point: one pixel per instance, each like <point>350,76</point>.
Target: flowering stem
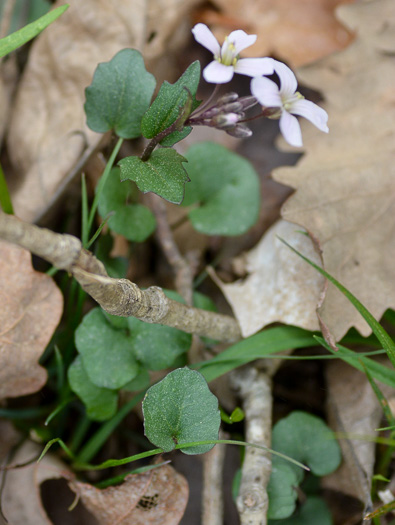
<point>205,104</point>
<point>158,138</point>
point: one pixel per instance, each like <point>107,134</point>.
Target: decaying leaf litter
<point>348,173</point>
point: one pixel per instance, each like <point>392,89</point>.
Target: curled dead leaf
<point>156,497</point>
<point>31,306</point>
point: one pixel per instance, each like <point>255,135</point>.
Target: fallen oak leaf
<point>48,134</point>
<point>31,306</point>
<point>279,287</point>
<point>297,32</point>
<point>346,182</point>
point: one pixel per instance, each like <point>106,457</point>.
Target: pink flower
<point>226,58</point>
<point>289,103</point>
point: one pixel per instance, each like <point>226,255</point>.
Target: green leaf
<point>378,330</point>
<point>140,382</point>
<point>263,344</point>
<point>169,104</point>
<point>157,346</point>
<point>313,512</point>
<point>163,174</point>
<point>106,352</point>
<point>282,491</point>
<point>307,439</point>
<point>20,37</point>
<point>119,95</point>
<point>101,403</point>
<point>134,221</point>
<point>181,409</point>
<point>226,188</point>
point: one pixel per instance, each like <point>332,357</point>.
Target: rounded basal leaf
<point>163,173</point>
<point>226,188</point>
<point>314,511</point>
<point>134,221</point>
<point>106,352</point>
<point>140,382</point>
<point>100,403</point>
<point>169,105</point>
<point>157,346</point>
<point>119,95</point>
<point>282,491</point>
<point>181,409</point>
<point>307,439</point>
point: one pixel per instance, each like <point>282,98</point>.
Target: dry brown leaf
<point>48,133</point>
<point>353,408</point>
<point>21,498</point>
<point>346,181</point>
<point>30,309</point>
<point>297,32</point>
<point>157,497</point>
<point>279,287</point>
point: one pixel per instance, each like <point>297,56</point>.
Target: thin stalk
<point>205,104</point>
<point>101,184</point>
<point>155,141</point>
<point>5,199</point>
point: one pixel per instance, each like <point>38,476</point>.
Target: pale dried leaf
<point>297,32</point>
<point>156,497</point>
<point>346,181</point>
<point>31,306</point>
<point>48,133</point>
<point>21,499</point>
<point>279,287</point>
<point>353,408</point>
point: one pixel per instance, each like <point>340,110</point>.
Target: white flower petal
<point>218,73</point>
<point>312,112</point>
<point>288,82</point>
<point>266,92</point>
<point>290,129</point>
<point>241,40</point>
<point>204,36</point>
<point>254,67</point>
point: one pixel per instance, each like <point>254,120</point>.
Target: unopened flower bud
<point>228,97</point>
<point>225,120</point>
<point>240,131</point>
<point>232,107</point>
<point>248,102</point>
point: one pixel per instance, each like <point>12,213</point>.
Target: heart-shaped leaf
<point>106,352</point>
<point>119,95</point>
<point>181,409</point>
<point>225,186</point>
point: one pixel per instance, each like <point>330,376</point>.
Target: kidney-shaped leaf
<point>119,95</point>
<point>101,403</point>
<point>307,439</point>
<point>106,352</point>
<point>313,511</point>
<point>282,491</point>
<point>181,409</point>
<point>225,186</point>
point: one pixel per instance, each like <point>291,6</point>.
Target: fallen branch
<point>255,389</point>
<point>118,297</point>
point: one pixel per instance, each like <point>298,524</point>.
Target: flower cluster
<point>282,102</point>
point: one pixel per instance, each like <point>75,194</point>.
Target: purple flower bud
<point>225,120</point>
<point>228,97</point>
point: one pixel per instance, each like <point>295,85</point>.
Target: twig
<point>255,390</point>
<point>182,268</point>
<point>116,296</point>
<point>213,506</point>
